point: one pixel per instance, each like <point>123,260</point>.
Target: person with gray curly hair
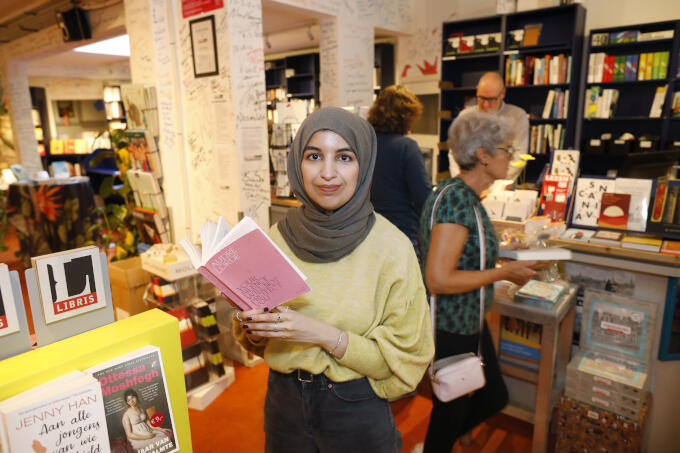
<point>450,242</point>
<point>474,131</point>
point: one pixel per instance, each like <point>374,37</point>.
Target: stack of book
<point>530,70</point>
<point>604,68</point>
<point>600,103</point>
<point>545,138</point>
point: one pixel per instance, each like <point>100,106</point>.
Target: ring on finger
<point>278,317</point>
<point>238,316</point>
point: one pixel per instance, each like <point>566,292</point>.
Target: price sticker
<point>157,419</point>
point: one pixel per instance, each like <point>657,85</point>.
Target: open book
<point>245,265</point>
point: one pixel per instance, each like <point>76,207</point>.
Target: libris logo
<point>72,284</point>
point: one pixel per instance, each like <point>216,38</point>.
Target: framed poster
<point>204,46</point>
<point>9,322</point>
<point>70,283</point>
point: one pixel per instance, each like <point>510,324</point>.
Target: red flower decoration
<point>45,202</point>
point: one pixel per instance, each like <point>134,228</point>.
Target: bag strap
<point>482,263</point>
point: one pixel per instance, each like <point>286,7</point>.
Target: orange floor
<point>234,421</point>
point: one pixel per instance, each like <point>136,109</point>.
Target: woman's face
<point>498,164</point>
<point>330,170</point>
<point>131,400</point>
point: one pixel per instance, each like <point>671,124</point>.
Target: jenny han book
<point>65,414</point>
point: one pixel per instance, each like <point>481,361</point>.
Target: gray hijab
<point>314,234</point>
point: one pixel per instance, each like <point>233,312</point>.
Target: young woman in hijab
<point>362,334</point>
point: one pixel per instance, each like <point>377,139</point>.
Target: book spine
<point>671,204</point>
<point>642,67</point>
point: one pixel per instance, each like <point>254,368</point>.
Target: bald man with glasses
<point>490,95</point>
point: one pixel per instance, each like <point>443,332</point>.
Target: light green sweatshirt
<point>376,295</point>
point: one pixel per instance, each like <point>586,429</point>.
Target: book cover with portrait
<point>70,283</point>
<point>64,414</point>
<point>136,402</point>
<point>9,322</point>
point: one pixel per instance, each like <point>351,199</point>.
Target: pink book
<point>246,265</point>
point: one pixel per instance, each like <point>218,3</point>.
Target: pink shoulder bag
<point>458,375</point>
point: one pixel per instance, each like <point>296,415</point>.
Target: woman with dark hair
<point>400,181</point>
<point>451,247</point>
<point>362,335</point>
<point>138,429</point>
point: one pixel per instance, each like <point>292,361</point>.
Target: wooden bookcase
<point>632,110</point>
<point>562,30</point>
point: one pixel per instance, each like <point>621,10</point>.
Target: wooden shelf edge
<point>617,252</point>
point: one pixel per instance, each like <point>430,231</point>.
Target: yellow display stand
<point>154,327</point>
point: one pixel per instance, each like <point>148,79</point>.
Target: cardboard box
<point>128,282</point>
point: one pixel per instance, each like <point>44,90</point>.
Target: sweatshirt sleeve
<point>396,353</point>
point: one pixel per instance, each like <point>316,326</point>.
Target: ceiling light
<point>120,46</point>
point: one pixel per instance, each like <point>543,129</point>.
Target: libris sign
<point>70,283</point>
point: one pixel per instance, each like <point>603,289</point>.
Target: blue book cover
<point>631,67</point>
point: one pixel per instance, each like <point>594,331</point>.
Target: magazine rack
<point>22,372</point>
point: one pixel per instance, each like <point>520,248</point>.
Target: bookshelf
<point>383,66</point>
<point>297,76</point>
<point>561,34</point>
<point>634,62</point>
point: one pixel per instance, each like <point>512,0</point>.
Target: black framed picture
<point>204,46</point>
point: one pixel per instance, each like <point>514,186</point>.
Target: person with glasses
<point>490,96</point>
<point>479,142</point>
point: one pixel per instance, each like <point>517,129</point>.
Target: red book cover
<point>546,73</point>
<point>614,210</point>
<point>659,201</point>
<point>608,68</point>
<point>554,194</point>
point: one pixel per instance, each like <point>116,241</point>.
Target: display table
<point>557,324</point>
<point>50,216</point>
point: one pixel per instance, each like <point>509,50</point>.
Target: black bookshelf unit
<point>297,75</point>
<point>618,59</point>
<point>561,34</point>
<point>383,65</point>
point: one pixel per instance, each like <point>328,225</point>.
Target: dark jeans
<point>323,416</point>
<point>449,421</point>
